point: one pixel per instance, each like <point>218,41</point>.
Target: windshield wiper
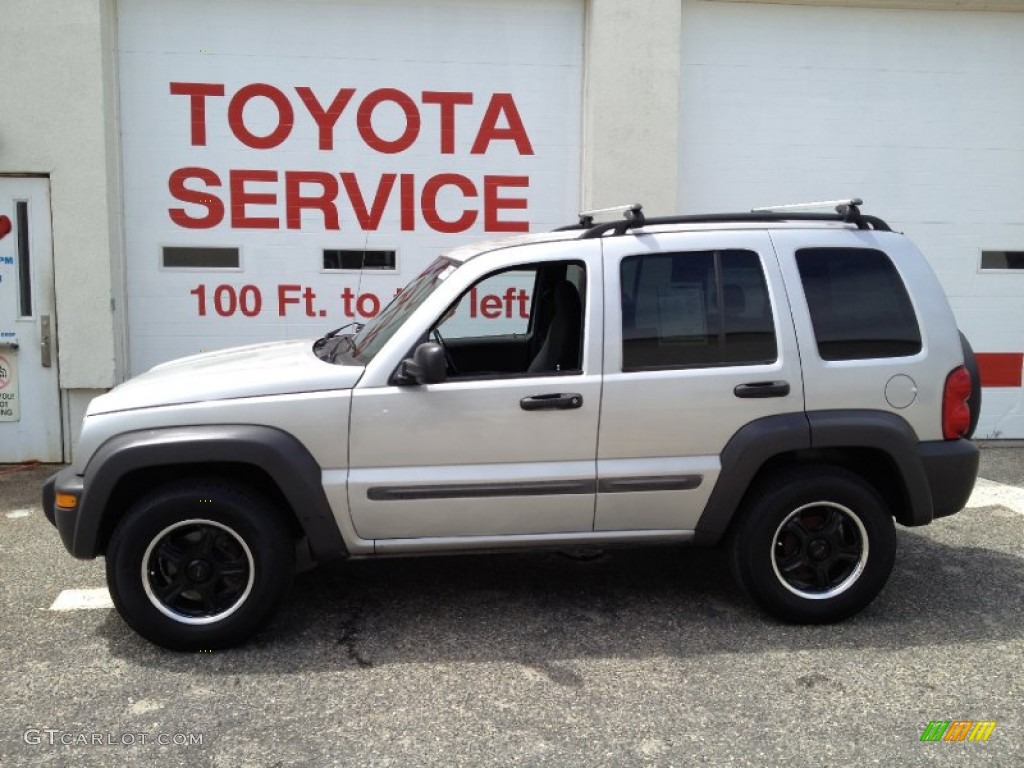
<point>323,341</point>
<point>336,331</point>
<point>344,345</point>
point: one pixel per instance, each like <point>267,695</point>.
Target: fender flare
<point>754,445</point>
<point>277,453</point>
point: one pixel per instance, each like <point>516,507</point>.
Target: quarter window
<point>859,306</point>
<point>694,309</point>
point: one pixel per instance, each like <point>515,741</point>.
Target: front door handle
<point>557,401</point>
<point>762,389</point>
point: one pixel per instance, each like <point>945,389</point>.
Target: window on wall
<point>175,257</point>
<point>358,259</point>
<point>1000,260</point>
<point>694,309</point>
<point>859,306</point>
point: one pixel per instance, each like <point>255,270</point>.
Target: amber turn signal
<point>67,500</point>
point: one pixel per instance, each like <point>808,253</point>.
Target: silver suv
<point>785,382</point>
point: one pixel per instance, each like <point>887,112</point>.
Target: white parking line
<point>991,494</point>
<point>82,599</point>
<point>14,515</point>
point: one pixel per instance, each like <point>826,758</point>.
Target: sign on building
<point>286,171</point>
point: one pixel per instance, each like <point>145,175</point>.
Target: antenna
<point>362,268</point>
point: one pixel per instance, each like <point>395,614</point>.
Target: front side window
<point>859,305</point>
<point>695,309</point>
<point>524,320</point>
<point>498,305</point>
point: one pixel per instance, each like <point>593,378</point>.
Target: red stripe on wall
<point>1000,369</point>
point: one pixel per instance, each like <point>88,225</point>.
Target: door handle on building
<point>45,345</point>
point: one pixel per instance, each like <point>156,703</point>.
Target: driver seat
<point>560,350</point>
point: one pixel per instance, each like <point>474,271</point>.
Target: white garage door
<point>272,151</point>
<point>918,112</point>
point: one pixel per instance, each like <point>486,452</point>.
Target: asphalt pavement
<point>622,658</point>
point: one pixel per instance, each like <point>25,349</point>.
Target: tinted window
<point>696,308</point>
<point>859,305</point>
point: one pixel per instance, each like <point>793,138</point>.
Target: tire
<point>814,545</point>
<point>199,565</point>
<point>974,401</point>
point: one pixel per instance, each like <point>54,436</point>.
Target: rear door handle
<point>557,401</point>
<point>762,389</point>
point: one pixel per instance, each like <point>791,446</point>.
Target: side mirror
<point>426,366</point>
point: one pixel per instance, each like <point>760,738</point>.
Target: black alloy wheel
<point>813,544</point>
<point>820,550</point>
<point>198,571</point>
<point>199,564</point>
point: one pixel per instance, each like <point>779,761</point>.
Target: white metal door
<point>30,420</point>
<point>414,151</point>
<point>915,111</point>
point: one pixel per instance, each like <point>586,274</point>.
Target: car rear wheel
<point>814,545</point>
<point>199,565</point>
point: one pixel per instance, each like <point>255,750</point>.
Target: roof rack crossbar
<point>848,209</point>
<point>632,212</point>
<point>808,206</point>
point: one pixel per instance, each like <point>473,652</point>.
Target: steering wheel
<point>449,361</point>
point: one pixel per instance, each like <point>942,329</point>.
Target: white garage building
<point>189,175</point>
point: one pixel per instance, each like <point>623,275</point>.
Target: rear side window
<point>859,305</point>
<point>695,309</point>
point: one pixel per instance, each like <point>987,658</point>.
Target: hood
<point>277,368</point>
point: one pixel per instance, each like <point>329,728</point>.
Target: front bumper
<point>64,518</point>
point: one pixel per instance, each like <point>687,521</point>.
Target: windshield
<point>375,334</point>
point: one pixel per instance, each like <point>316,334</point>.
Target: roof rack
<point>846,211</point>
<point>632,212</point>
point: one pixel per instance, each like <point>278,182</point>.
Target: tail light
<point>956,413</point>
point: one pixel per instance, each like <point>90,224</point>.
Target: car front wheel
<point>199,565</point>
